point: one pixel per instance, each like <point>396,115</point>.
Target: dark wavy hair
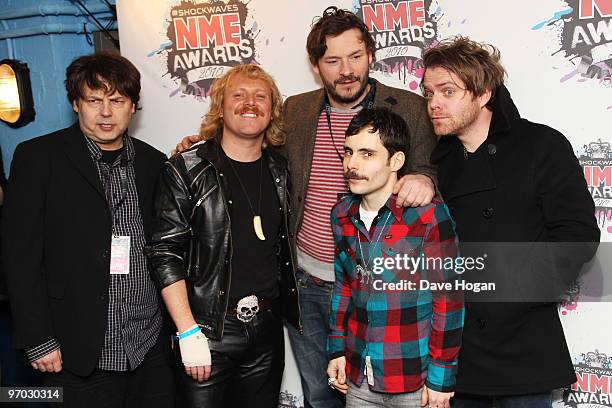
<point>105,71</point>
<point>391,127</point>
<point>334,22</point>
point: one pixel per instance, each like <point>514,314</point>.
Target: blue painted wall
<point>47,57</point>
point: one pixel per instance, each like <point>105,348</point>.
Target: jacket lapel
<point>458,176</point>
<point>79,155</point>
<point>142,187</point>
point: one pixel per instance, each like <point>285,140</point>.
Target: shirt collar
<point>350,207</point>
<point>127,153</point>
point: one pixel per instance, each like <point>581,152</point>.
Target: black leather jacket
<point>191,237</point>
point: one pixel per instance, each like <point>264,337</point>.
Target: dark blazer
<point>523,185</point>
<point>302,116</point>
<point>56,243</point>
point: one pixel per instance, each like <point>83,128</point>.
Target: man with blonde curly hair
<point>220,249</point>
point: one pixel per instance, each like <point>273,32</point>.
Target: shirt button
<point>277,180</point>
<point>492,149</point>
<point>230,201</point>
<point>488,212</point>
<point>221,292</point>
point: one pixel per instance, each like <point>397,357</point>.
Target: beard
<point>330,88</point>
<point>455,125</point>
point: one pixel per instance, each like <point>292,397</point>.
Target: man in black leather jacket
<point>220,249</point>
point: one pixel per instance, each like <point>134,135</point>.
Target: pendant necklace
<point>257,225</point>
<point>363,272</point>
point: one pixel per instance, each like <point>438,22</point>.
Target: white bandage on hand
<point>194,350</point>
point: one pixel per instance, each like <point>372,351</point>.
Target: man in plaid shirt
<point>388,326</point>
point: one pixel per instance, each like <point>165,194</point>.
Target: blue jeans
<point>542,400</point>
<point>310,348</point>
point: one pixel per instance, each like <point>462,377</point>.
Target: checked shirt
<point>413,336</point>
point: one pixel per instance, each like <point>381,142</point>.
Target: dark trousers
<point>150,385</point>
<point>247,366</point>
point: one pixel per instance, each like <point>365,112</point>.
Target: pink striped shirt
<point>326,182</point>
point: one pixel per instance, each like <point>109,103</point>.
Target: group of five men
<point>238,238</point>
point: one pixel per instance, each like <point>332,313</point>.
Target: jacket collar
<point>503,109</point>
<point>211,151</point>
<point>78,153</point>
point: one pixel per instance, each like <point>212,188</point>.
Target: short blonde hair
<point>212,126</point>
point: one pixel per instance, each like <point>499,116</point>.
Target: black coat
<point>522,185</point>
<point>56,236</point>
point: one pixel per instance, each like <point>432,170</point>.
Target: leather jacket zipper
<point>176,234</point>
<point>297,292</point>
<point>169,254</point>
<point>229,267</point>
<point>201,199</point>
<point>178,174</point>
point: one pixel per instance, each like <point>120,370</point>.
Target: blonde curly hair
<point>212,125</point>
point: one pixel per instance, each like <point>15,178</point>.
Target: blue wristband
<point>189,332</point>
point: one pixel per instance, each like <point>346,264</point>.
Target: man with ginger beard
<point>220,249</point>
<point>509,183</point>
<point>340,50</point>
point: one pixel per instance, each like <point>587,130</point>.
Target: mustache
<point>253,110</point>
<point>344,78</point>
<point>353,175</point>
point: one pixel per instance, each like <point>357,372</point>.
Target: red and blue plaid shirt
<point>412,337</point>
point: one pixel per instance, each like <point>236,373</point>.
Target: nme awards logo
<point>593,386</point>
<point>401,30</point>
<point>586,38</point>
<point>206,40</point>
<point>596,161</point>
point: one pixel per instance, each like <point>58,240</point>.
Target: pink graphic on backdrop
<point>584,39</point>
<point>401,31</point>
<point>596,161</point>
